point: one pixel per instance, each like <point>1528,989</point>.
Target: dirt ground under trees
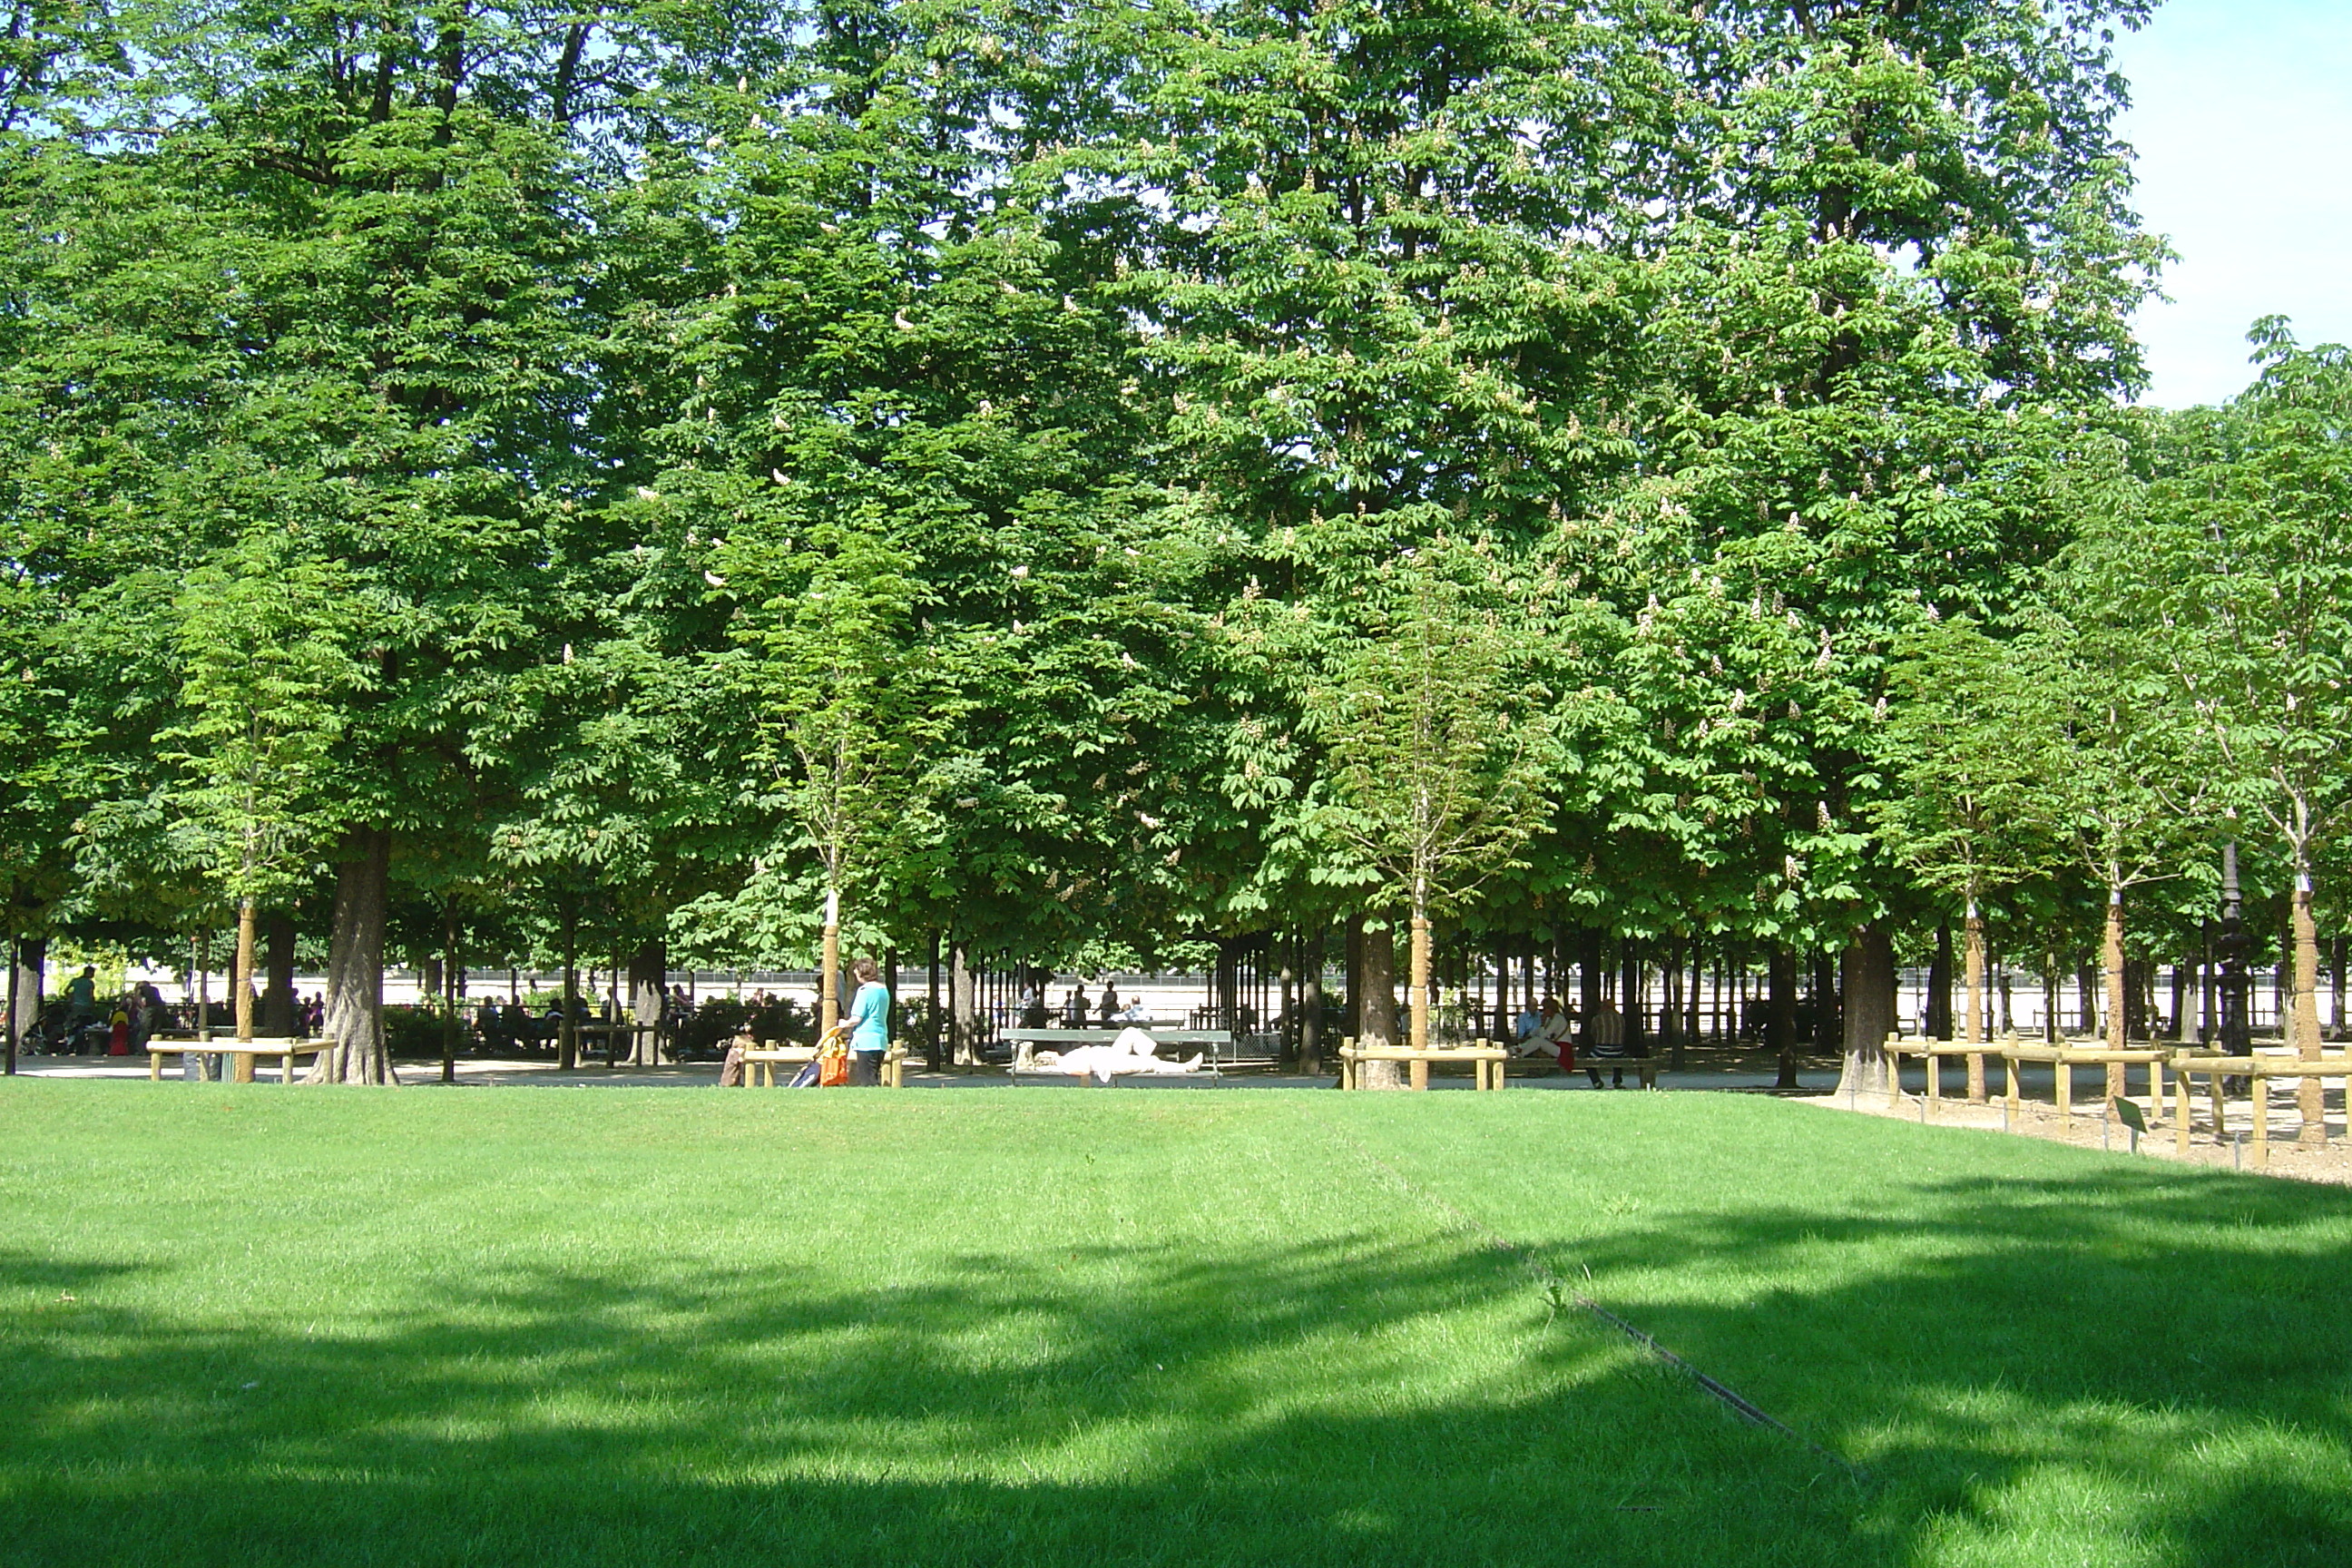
<point>2092,1127</point>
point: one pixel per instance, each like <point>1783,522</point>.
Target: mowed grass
<point>614,1326</point>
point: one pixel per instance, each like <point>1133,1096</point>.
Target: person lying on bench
<point>1132,1052</point>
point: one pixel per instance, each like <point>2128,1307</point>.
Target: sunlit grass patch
<point>1138,1327</point>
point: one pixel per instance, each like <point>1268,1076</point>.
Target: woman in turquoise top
<point>869,1023</point>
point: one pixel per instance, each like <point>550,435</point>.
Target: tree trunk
<point>1421,1010</point>
<point>1351,958</point>
<point>963,1039</point>
<point>2112,961</point>
<point>355,963</point>
<point>567,1025</point>
<point>2310,1094</point>
<point>1866,972</point>
<point>247,929</point>
<point>1829,1029</point>
<point>1588,979</point>
<point>1528,989</point>
<point>1503,1031</point>
<point>1781,1012</point>
<point>2335,985</point>
<point>933,1038</point>
<point>2208,990</point>
<point>1974,1030</point>
<point>1379,1005</point>
<point>2181,973</point>
<point>1631,984</point>
<point>278,968</point>
<point>449,1023</point>
<point>1670,1021</point>
<point>649,1000</point>
<point>1937,1023</point>
<point>1311,1001</point>
<point>1697,954</point>
<point>200,959</point>
<point>2086,990</point>
<point>25,995</point>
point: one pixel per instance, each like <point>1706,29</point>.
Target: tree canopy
<point>657,466</point>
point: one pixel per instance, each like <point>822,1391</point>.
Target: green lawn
<point>611,1326</point>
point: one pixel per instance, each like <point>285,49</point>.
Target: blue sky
<point>2242,113</point>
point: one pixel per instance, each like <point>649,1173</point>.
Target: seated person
<point>1132,1013</point>
<point>1606,1041</point>
<point>1557,1034</point>
<point>1531,1035</point>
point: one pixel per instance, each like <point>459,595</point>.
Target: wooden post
<point>1421,998</point>
<point>829,977</point>
<point>2262,1090</point>
<point>2302,1026</point>
<point>1972,1028</point>
<point>2181,1119</point>
<point>2064,1072</point>
<point>241,998</point>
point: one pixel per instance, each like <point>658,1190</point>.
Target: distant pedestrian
<point>1107,1009</point>
<point>1073,1011</point>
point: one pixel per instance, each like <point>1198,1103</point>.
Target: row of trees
<point>491,478</point>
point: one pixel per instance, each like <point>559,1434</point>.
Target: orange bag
<point>833,1065</point>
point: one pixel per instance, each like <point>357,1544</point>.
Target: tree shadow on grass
<point>2006,1358</point>
<point>1122,1404</point>
<point>2137,1364</point>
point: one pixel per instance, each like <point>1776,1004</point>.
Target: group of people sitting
<point>1551,1030</point>
<point>81,1022</point>
<point>1073,1013</point>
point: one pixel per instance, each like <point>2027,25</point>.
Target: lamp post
<point>2230,947</point>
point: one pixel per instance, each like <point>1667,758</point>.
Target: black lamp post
<point>2231,946</point>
